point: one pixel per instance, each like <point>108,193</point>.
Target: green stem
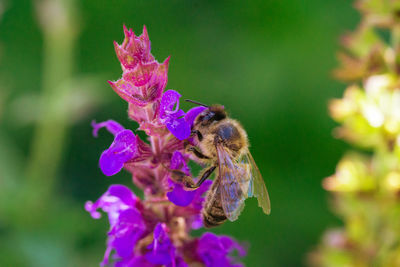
<point>49,134</point>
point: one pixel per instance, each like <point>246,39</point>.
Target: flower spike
<point>155,230</point>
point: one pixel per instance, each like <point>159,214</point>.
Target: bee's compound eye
<point>209,116</point>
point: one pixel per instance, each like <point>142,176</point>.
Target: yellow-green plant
<point>366,186</point>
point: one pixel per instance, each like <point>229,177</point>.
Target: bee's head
<point>211,114</point>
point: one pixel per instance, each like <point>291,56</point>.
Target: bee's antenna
<point>195,102</point>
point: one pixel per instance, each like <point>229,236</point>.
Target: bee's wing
<point>257,186</point>
<point>231,184</point>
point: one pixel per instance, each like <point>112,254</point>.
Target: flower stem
<point>154,141</point>
<point>49,135</point>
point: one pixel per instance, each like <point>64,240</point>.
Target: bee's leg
<point>187,181</point>
<point>180,177</point>
<point>197,153</point>
<point>205,175</point>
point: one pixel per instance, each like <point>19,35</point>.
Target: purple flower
<point>179,196</point>
<point>178,162</point>
<point>114,200</point>
<point>111,125</point>
<point>122,149</point>
<point>214,250</point>
<point>162,251</point>
<point>193,113</point>
<point>135,261</point>
<point>153,232</point>
<point>126,222</point>
<point>176,121</point>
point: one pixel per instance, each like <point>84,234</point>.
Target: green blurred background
<point>269,62</point>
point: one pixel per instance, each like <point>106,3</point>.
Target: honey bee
<point>222,145</point>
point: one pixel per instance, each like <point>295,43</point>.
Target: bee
<point>222,145</point>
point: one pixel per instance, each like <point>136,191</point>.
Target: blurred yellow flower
<point>352,175</point>
<point>370,115</point>
<point>392,181</point>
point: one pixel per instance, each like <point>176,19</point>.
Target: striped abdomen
<point>212,213</point>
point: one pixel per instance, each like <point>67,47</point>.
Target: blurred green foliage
<point>269,62</point>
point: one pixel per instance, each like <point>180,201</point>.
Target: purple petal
<point>92,209</point>
<point>123,193</point>
<point>111,125</point>
<point>135,261</point>
<point>214,250</point>
<point>162,249</point>
<point>121,150</point>
<point>124,245</point>
<point>179,128</point>
<point>161,258</point>
<point>178,162</point>
<point>174,119</point>
<point>229,244</point>
<point>198,197</point>
<point>193,113</point>
<point>109,165</point>
<point>106,256</point>
<point>116,199</point>
<point>168,101</point>
<point>197,204</point>
<point>197,222</point>
<point>126,223</point>
<point>159,233</point>
<point>127,231</point>
<point>179,262</point>
<point>180,196</point>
